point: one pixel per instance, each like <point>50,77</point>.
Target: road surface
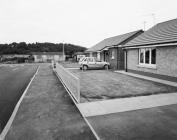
<point>13,81</point>
<point>158,123</point>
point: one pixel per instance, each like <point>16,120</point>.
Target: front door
<point>106,56</point>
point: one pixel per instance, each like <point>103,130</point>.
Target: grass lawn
<point>102,84</point>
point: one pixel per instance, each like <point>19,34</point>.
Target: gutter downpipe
<point>117,58</point>
<point>126,61</point>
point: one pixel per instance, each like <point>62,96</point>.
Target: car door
<point>91,62</point>
<point>99,64</point>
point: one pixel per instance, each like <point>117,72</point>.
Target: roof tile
<point>116,40</point>
<point>164,32</point>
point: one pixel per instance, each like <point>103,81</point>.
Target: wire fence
<point>71,81</point>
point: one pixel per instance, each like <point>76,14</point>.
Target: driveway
<point>101,84</point>
<point>13,81</point>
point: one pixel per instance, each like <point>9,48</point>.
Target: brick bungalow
<point>154,53</point>
<point>78,55</point>
<point>111,50</point>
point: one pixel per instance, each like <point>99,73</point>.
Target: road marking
<point>9,123</point>
<point>15,69</point>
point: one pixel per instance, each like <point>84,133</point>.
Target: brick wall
<point>120,59</point>
<point>113,61</point>
<point>94,54</point>
<point>102,56</point>
<point>166,61</point>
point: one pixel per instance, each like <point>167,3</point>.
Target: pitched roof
<point>47,53</point>
<point>165,32</point>
<point>78,53</point>
<point>112,41</point>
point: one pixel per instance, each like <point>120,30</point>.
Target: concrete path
<point>149,78</point>
<point>126,104</point>
<point>48,113</point>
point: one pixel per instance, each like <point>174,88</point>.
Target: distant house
<point>154,53</point>
<point>15,58</point>
<point>78,55</point>
<point>111,50</point>
<point>48,56</point>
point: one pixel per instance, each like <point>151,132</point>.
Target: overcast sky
<point>81,22</point>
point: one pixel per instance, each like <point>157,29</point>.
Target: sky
<point>80,22</point>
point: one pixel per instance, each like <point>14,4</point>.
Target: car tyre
<point>85,67</point>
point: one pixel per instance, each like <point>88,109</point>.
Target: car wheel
<point>106,67</point>
<point>85,67</point>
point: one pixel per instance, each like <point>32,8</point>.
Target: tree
<point>23,48</point>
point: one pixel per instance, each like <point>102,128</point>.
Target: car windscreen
<point>81,59</point>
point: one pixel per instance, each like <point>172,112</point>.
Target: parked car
<point>92,63</point>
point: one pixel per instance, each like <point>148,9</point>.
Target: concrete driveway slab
<point>126,104</point>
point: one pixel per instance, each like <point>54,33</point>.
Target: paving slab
<point>174,84</point>
<point>48,113</point>
<point>126,104</point>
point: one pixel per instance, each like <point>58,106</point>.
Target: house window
<point>141,55</point>
<point>153,56</point>
<point>98,55</point>
<point>147,57</point>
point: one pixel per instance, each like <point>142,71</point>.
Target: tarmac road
<point>13,81</point>
<point>158,123</point>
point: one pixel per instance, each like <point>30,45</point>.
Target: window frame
<point>144,64</point>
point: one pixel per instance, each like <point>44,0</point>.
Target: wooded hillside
<point>23,48</point>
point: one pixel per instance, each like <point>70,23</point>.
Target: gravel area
<point>48,113</point>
